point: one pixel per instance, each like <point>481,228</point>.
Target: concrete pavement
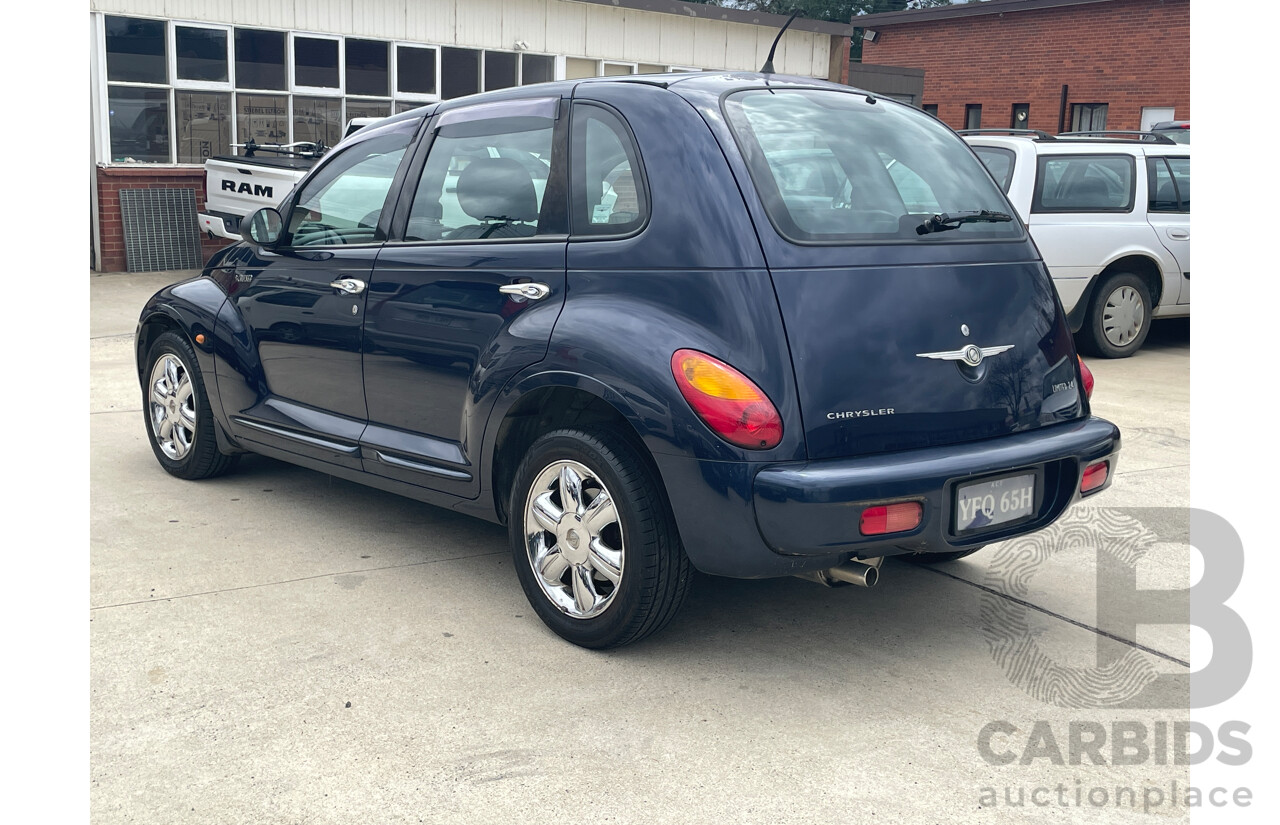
<point>282,646</point>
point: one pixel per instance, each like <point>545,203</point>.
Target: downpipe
<point>862,572</point>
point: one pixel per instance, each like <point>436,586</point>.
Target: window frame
<point>227,85</point>
<point>417,98</point>
<point>557,188</point>
<point>316,91</point>
<point>1183,208</point>
<point>1037,194</point>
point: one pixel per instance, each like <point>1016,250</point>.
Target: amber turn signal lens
<point>726,400</point>
<point>200,338</point>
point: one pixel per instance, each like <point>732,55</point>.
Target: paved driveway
<point>282,646</point>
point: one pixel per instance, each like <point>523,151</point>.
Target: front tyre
<point>176,408</point>
<point>593,540</point>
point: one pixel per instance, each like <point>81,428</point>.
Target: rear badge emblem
<point>971,355</point>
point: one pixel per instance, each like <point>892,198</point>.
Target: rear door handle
<point>1180,234</point>
<point>349,285</point>
<point>533,292</point>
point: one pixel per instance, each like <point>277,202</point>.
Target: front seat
<point>499,193</point>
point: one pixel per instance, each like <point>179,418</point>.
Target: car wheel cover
<point>573,537</point>
<point>1123,316</point>
<point>173,406</point>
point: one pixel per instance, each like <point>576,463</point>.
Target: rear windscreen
<point>832,167</point>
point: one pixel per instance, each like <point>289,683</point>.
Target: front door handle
<point>349,285</point>
<point>533,292</point>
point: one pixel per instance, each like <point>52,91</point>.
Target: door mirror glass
<point>264,227</point>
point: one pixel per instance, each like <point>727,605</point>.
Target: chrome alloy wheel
<point>574,539</point>
<point>1123,315</point>
<point>173,406</point>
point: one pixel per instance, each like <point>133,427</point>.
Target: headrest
<point>497,188</point>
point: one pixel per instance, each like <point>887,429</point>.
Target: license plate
<point>989,503</point>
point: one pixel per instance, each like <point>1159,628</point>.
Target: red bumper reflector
<point>1094,477</point>
<point>891,518</point>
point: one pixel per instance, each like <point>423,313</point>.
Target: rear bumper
<point>222,224</point>
<point>774,520</point>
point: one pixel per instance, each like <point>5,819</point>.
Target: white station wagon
<point>1112,219</point>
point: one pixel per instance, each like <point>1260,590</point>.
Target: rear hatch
<point>917,310</point>
<point>239,186</point>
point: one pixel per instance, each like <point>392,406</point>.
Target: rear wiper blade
<point>952,220</point>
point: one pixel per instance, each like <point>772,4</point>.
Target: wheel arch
<point>551,401</point>
<point>1139,263</point>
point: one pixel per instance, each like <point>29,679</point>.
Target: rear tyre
<point>593,540</point>
<point>938,558</point>
<point>1119,316</point>
<point>176,408</point>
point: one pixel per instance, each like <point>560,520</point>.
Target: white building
<point>176,81</point>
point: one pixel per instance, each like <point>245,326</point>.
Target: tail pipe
<point>862,572</point>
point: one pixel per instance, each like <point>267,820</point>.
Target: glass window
<point>315,62</point>
<point>931,109</point>
<point>537,68</point>
<point>1088,117</point>
<point>499,70</point>
<point>617,69</point>
<point>1170,190</point>
<point>649,68</point>
<point>973,116</point>
<point>203,124</point>
<point>1181,168</point>
<point>262,118</point>
<point>608,198</point>
<point>459,72</point>
<point>260,59</point>
<point>999,163</point>
<point>407,105</point>
<point>484,180</point>
<point>139,124</point>
<point>1084,183</point>
<point>135,50</point>
<point>317,119</point>
<point>415,70</point>
<point>367,67</point>
<point>368,108</point>
<point>201,54</point>
<point>342,203</point>
<point>823,163</point>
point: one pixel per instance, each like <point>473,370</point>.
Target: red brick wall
<point>111,179</point>
<point>1125,53</point>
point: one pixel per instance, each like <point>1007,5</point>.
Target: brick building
<point>1054,65</point>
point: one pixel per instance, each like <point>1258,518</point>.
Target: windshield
<point>831,167</point>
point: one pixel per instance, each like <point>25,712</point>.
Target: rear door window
<point>832,167</point>
<point>1084,183</point>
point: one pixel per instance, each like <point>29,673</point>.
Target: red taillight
<point>891,518</point>
<point>1095,475</point>
<point>730,404</point>
<point>1087,375</point>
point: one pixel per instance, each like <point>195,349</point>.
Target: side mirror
<point>263,227</point>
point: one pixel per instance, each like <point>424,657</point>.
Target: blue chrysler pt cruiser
<point>749,324</point>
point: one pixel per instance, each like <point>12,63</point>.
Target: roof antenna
<point>768,61</point>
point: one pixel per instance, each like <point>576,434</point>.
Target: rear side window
<point>609,196</point>
<point>832,168</point>
<point>1169,184</point>
<point>1084,183</point>
<point>999,163</point>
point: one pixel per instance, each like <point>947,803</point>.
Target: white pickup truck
<point>238,185</point>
